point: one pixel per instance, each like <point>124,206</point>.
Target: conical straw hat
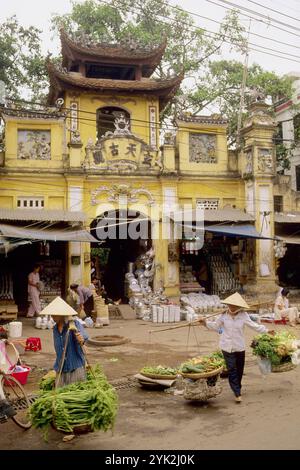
<point>236,300</point>
<point>58,307</point>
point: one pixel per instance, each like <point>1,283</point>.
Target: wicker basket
<point>202,375</point>
<point>284,367</point>
<point>159,377</point>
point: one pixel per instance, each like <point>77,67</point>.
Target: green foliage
<point>277,348</point>
<point>22,65</point>
<point>102,254</point>
<point>93,402</point>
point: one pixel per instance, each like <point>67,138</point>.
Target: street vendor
<point>232,340</point>
<point>282,309</point>
<point>69,337</point>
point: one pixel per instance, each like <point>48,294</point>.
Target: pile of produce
<point>203,364</point>
<point>278,348</point>
<point>93,403</point>
<point>159,370</point>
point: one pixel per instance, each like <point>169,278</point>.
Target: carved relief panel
<point>203,148</point>
<point>248,162</point>
<point>121,151</point>
<point>265,160</point>
<point>34,145</point>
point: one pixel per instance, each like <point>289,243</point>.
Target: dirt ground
<point>268,417</point>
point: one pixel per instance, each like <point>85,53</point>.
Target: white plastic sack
<point>295,357</point>
<point>264,365</point>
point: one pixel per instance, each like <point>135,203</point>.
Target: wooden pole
<point>206,318</point>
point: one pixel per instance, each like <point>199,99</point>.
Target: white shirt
<point>232,337</point>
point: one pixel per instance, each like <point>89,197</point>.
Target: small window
<point>278,203</point>
<point>207,204</point>
<point>30,203</point>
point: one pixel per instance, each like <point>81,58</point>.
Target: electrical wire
<point>260,15</point>
<point>251,17</point>
<point>220,35</point>
<point>273,10</point>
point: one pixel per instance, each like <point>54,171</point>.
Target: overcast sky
<point>38,13</point>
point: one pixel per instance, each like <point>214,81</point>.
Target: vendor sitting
<point>284,311</point>
<point>69,337</point>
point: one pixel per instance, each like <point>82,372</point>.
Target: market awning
<point>212,215</point>
<point>238,230</point>
<point>57,235</point>
<point>287,217</point>
<point>42,215</point>
<point>289,239</point>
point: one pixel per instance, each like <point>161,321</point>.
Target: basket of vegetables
<point>80,407</point>
<point>278,349</point>
<point>203,367</point>
<point>159,372</point>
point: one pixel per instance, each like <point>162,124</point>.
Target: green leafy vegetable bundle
<point>93,402</point>
<point>204,363</point>
<point>278,348</point>
<point>159,370</point>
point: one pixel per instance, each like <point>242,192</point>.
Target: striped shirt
<point>74,355</point>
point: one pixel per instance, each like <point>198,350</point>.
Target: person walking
<point>69,337</point>
<point>283,310</point>
<point>232,340</point>
<point>86,298</point>
<point>34,291</point>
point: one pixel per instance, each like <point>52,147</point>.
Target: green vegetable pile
<point>93,402</point>
<point>278,348</point>
<point>203,364</point>
<point>159,370</point>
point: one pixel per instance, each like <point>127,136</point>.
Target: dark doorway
<point>120,250</point>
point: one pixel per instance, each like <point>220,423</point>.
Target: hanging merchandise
<point>280,249</point>
<point>47,249</point>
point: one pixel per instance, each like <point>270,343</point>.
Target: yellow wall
<point>57,143</point>
<point>185,165</point>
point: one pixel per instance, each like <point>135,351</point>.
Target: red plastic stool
<point>33,344</point>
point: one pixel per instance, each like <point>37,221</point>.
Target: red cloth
<point>33,344</point>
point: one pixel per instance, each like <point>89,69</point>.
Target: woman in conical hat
<point>70,360</point>
<point>232,340</point>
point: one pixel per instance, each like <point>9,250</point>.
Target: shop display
<point>223,279</point>
<point>200,304</point>
<point>52,277</point>
<point>140,293</point>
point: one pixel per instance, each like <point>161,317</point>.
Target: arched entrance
<point>125,235</point>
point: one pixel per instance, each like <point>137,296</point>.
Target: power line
<point>251,17</point>
<point>220,23</point>
<point>274,11</point>
<point>220,35</point>
<point>261,15</point>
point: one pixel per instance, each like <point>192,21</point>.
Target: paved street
<point>267,419</point>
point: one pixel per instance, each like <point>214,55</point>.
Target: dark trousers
<point>235,362</point>
<point>88,306</point>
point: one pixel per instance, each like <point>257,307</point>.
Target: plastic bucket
<point>15,329</point>
<point>20,376</point>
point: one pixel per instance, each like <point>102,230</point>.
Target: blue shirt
<point>74,355</point>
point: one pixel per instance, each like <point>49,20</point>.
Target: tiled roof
<point>117,51</point>
<point>162,88</point>
<point>112,53</point>
<point>202,119</point>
